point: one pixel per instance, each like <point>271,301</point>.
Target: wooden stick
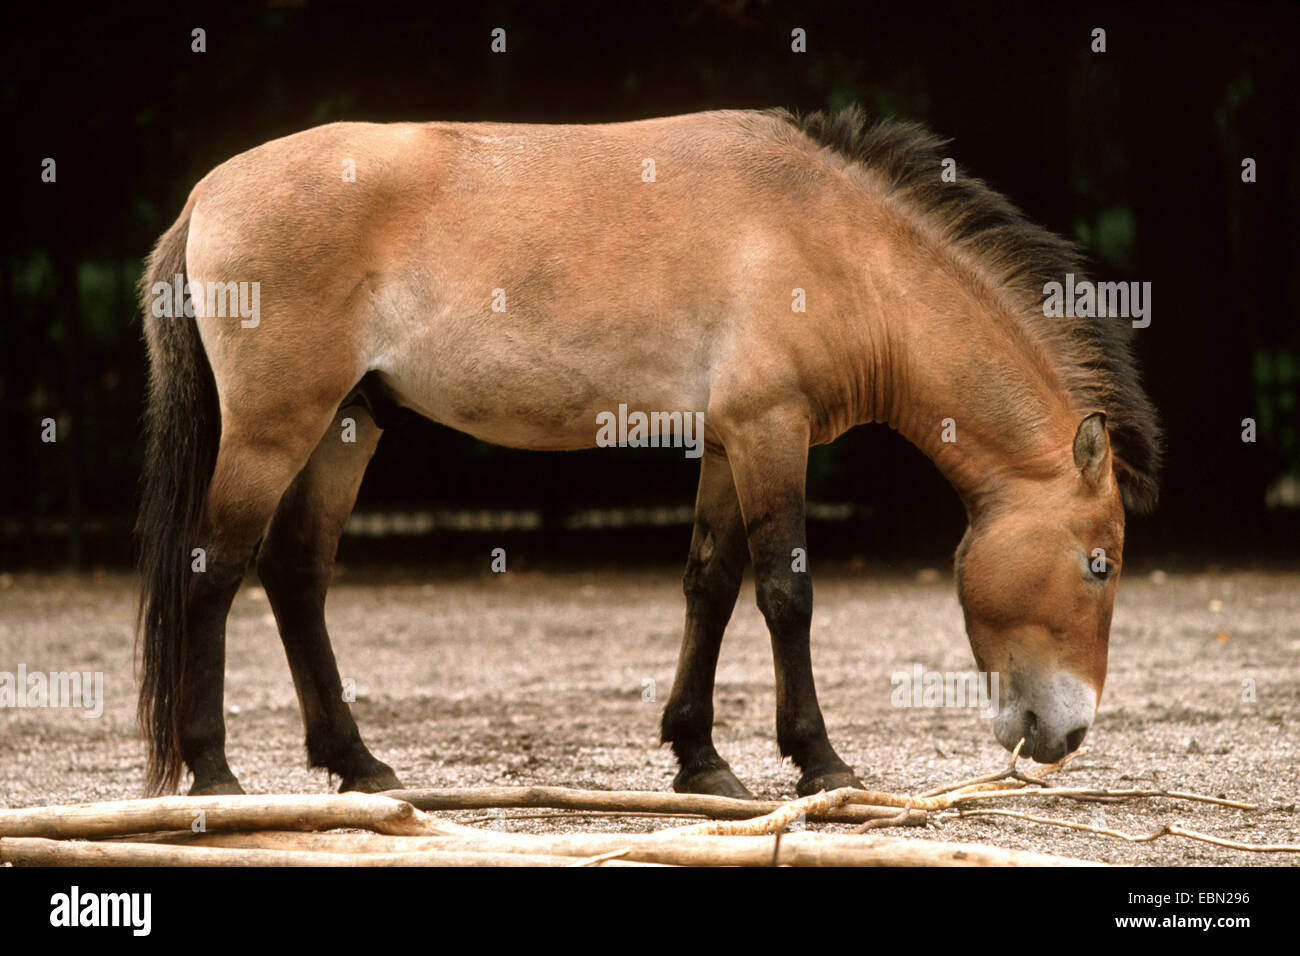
<point>992,785</point>
<point>995,788</point>
<point>578,815</point>
<point>307,841</point>
<point>897,821</point>
<point>629,801</point>
<point>1169,829</point>
<point>1086,794</point>
<point>1009,772</point>
<point>1069,824</point>
<point>1174,829</point>
<point>893,802</point>
<point>796,849</point>
<point>35,851</point>
<point>612,855</point>
<point>269,812</point>
<point>774,822</point>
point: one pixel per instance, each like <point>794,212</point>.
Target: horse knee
<point>785,601</point>
<point>708,580</point>
<point>712,576</point>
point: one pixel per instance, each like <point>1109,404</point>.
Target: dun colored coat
<point>790,278</point>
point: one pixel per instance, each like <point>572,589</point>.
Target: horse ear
<point>1092,449</point>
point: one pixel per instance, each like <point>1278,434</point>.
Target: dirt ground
<point>559,678</point>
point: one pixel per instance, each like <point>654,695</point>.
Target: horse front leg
<point>711,582</point>
<point>769,461</point>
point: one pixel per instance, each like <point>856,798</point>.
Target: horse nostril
<point>1074,738</point>
<point>1031,724</point>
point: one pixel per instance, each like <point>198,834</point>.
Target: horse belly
<point>536,392</point>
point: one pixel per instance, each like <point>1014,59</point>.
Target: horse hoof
<point>718,781</point>
<point>219,789</point>
<point>372,783</point>
<point>828,781</point>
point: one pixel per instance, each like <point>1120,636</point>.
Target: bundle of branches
<point>400,829</point>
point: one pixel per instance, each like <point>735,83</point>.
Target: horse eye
<point>1104,573</point>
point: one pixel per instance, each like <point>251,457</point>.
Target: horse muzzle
<point>1051,712</point>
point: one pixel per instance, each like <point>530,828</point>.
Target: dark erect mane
<point>1093,355</point>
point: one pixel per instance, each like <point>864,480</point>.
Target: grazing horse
<point>788,277</point>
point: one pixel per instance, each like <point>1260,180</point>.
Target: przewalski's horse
<point>666,290</point>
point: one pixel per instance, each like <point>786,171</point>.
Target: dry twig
<point>1169,829</point>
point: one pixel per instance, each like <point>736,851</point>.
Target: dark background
<point>1135,152</point>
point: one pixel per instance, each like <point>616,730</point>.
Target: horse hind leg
<point>257,459</point>
<point>295,563</point>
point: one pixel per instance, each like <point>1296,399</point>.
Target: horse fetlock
<point>342,754</point>
<point>803,738</point>
<point>687,724</point>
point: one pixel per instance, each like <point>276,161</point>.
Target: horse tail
<point>183,425</point>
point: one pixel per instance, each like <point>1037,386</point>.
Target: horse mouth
<point>1042,749</point>
<point>1051,723</point>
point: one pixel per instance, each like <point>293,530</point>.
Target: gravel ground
<point>547,678</point>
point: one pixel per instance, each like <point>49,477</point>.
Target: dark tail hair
<point>183,422</point>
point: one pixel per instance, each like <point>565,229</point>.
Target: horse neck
<point>972,376</point>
